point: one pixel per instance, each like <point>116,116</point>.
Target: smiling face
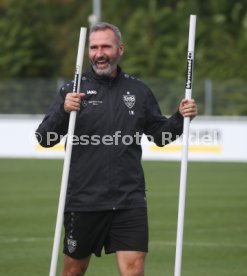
<point>104,52</point>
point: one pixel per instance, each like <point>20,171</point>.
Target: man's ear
<point>121,49</point>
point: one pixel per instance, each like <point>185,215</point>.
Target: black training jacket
<point>105,171</point>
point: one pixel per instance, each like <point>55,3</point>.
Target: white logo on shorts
<point>71,245</point>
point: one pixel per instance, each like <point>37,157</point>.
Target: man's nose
<point>99,53</point>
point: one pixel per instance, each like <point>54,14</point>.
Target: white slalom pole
<point>67,158</point>
<point>184,161</point>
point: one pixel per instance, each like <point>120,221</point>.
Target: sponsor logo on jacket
<point>91,92</point>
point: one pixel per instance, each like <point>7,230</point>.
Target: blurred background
<point>38,49</point>
<point>39,40</point>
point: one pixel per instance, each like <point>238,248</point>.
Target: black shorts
<point>119,230</point>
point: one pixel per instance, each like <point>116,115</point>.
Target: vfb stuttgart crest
<point>129,100</point>
<point>72,244</point>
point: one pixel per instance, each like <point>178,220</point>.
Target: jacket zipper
<point>111,148</point>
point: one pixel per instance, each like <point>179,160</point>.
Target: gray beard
<point>104,72</point>
<point>108,71</point>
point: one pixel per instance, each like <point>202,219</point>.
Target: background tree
<point>26,45</point>
<point>39,38</point>
<point>155,43</point>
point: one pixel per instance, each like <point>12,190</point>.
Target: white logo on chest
<point>129,100</point>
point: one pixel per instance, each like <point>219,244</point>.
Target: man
<point>106,201</point>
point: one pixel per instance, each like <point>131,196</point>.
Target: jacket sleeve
<point>160,129</point>
<point>55,123</point>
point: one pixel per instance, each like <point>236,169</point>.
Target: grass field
<point>215,235</point>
